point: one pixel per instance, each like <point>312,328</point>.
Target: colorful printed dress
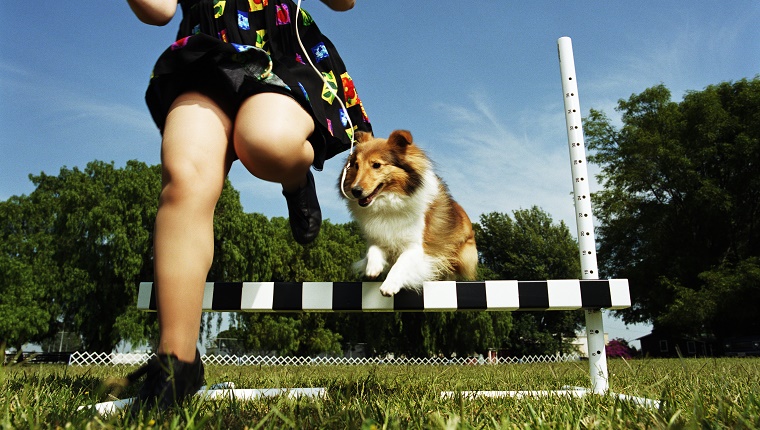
<point>238,48</point>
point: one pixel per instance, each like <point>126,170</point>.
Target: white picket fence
<point>115,359</point>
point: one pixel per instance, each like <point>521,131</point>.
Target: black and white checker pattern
<point>439,296</point>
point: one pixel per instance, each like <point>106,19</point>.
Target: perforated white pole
<point>584,217</point>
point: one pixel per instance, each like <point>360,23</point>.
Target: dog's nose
<point>357,191</point>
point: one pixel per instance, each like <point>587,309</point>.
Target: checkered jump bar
<point>439,296</point>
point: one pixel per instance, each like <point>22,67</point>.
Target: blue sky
<point>477,85</point>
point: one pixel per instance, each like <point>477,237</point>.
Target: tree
<point>28,270</point>
<point>102,223</point>
<point>531,247</point>
<point>619,348</point>
<point>329,259</point>
<point>74,246</point>
<point>22,304</point>
<point>678,215</point>
<point>63,341</point>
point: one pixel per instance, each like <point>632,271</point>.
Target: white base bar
<point>254,393</point>
<point>566,391</point>
<point>221,391</point>
<point>107,408</point>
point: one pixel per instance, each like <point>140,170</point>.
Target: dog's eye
<point>376,165</point>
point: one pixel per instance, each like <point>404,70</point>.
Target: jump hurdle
<point>588,293</point>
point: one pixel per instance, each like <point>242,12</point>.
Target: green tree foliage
<point>678,215</point>
<point>74,251</point>
<point>531,247</point>
<point>27,270</point>
<point>77,243</point>
<point>327,259</point>
<point>244,243</point>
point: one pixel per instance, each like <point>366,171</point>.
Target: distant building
<point>665,345</point>
<point>743,346</point>
<point>580,343</point>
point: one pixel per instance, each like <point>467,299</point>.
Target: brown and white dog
<point>414,230</point>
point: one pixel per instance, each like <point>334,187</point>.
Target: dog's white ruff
<point>393,225</point>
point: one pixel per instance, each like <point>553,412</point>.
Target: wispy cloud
<point>490,168</point>
<point>57,104</point>
<point>688,56</point>
<point>71,109</point>
<point>11,69</point>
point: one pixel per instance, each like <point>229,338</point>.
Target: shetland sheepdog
<point>415,231</point>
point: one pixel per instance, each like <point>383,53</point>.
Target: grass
<point>695,393</point>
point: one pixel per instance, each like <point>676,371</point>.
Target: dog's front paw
<point>374,269</point>
<point>375,262</point>
<point>370,271</point>
<point>389,289</point>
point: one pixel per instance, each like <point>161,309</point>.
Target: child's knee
<point>186,183</point>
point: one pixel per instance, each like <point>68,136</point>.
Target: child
<point>235,85</point>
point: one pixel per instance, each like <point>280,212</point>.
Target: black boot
<point>303,210</point>
<point>168,382</point>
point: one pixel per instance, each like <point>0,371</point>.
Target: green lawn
<point>695,393</point>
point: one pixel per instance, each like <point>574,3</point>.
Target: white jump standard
<point>586,245</point>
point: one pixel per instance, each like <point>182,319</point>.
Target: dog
<point>414,230</point>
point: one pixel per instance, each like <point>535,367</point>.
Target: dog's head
<point>383,166</point>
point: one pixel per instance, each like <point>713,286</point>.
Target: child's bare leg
<point>270,139</point>
<point>195,160</point>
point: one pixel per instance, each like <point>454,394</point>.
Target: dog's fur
<point>415,231</point>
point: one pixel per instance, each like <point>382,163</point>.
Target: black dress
<point>237,48</point>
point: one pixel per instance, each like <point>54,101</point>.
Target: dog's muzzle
<point>362,199</point>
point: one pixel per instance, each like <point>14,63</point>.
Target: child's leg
<point>270,139</point>
<point>195,158</point>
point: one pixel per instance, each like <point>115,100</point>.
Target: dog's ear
<point>363,136</point>
<point>400,138</point>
